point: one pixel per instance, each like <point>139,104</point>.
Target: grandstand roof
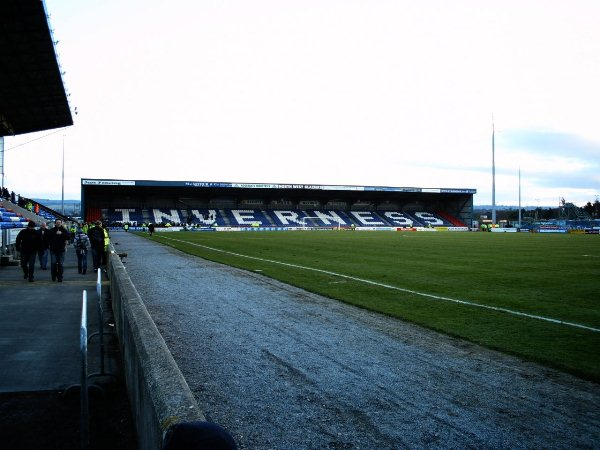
<point>32,94</point>
<point>105,192</point>
<point>269,186</point>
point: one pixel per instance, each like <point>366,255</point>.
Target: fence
<point>84,340</point>
<point>100,333</point>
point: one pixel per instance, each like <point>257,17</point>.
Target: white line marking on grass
<point>396,288</point>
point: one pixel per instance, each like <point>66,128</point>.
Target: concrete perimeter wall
<point>159,395</point>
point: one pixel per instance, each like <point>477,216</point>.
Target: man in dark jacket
<point>57,244</point>
<point>43,250</point>
<point>96,235</point>
<point>28,243</point>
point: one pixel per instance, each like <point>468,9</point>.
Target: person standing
<point>105,250</point>
<point>72,231</point>
<point>81,243</point>
<point>96,235</point>
<point>57,244</point>
<point>43,250</point>
<point>28,243</point>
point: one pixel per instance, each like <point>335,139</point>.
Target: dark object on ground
<point>198,436</point>
<point>49,420</point>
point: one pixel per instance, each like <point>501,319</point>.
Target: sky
<point>335,92</point>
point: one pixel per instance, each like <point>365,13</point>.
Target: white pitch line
<point>396,288</point>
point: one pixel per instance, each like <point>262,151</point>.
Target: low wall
<point>159,395</point>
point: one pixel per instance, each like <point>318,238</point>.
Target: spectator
<point>105,250</point>
<point>96,236</point>
<point>43,250</point>
<point>81,243</point>
<point>72,231</point>
<point>57,244</point>
<point>28,243</point>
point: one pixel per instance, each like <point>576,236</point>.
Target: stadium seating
<point>123,215</point>
<point>10,219</point>
<point>166,216</point>
<point>453,220</point>
<point>253,217</point>
<point>249,217</point>
<point>203,217</point>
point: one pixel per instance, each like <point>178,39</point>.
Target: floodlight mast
<point>519,197</point>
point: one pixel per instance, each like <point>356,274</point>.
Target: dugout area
<point>221,204</point>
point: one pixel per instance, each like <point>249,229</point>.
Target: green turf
<point>550,275</point>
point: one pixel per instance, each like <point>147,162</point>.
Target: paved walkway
<point>40,357</point>
<point>39,327</point>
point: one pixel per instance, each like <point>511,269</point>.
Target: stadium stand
<point>94,214</point>
<point>318,218</point>
<point>126,215</point>
<point>215,204</point>
<point>10,219</point>
<point>453,220</point>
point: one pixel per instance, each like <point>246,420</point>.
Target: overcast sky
<point>370,92</point>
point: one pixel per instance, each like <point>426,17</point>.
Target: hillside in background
<point>72,207</point>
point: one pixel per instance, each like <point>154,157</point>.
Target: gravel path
<point>282,368</point>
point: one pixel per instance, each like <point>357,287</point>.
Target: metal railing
<point>100,333</point>
<point>84,340</point>
<point>84,395</point>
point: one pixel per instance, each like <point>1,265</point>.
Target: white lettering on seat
<point>329,219</point>
<point>172,217</point>
<point>125,214</point>
<point>399,219</point>
<point>429,218</point>
<point>366,218</point>
<point>245,216</point>
<point>211,213</point>
<point>285,217</point>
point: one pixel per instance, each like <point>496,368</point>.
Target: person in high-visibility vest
<point>72,231</point>
<point>106,242</point>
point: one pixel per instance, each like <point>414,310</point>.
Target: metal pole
<point>63,178</point>
<point>519,197</point>
<point>85,422</point>
<point>493,176</point>
<point>100,319</point>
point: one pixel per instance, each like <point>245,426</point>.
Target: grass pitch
<point>548,275</point>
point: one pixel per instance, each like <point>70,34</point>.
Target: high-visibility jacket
<point>106,238</point>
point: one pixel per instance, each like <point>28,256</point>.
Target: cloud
<point>551,143</point>
<point>552,159</point>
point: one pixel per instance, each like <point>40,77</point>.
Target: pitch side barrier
<point>161,400</point>
<point>257,229</point>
